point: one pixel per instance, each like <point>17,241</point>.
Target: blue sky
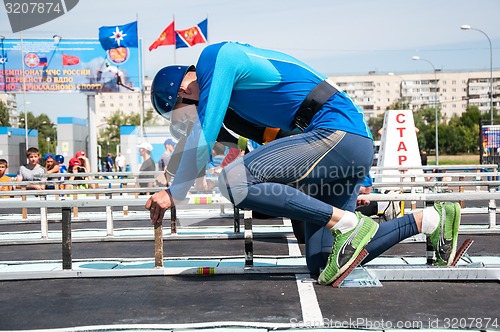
<point>349,37</point>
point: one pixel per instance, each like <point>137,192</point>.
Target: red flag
<point>167,37</point>
<point>70,60</point>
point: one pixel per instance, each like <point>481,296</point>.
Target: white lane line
<point>311,313</point>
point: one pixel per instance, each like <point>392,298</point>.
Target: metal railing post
<point>66,238</point>
<point>44,222</point>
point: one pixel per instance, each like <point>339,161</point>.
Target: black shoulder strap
<point>313,103</point>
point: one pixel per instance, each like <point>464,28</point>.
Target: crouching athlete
<point>313,176</point>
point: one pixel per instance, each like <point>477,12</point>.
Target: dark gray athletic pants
<point>304,177</point>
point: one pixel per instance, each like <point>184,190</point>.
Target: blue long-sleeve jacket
<point>263,86</point>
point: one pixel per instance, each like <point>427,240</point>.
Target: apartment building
<point>9,101</point>
<point>127,102</point>
<point>451,91</point>
<point>373,92</point>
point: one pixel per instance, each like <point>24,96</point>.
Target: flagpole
<point>4,59</point>
<point>175,40</point>
<point>24,94</point>
<point>208,34</point>
<point>141,79</point>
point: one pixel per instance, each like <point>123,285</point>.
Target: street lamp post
<point>55,137</point>
<point>26,132</point>
<point>48,139</point>
<point>24,92</point>
<point>417,58</point>
<point>56,38</point>
<point>468,27</point>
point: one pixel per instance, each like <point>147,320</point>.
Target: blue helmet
<point>165,88</point>
<point>59,158</point>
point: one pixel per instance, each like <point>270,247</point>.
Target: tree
<point>426,124</point>
<point>399,104</point>
<point>375,124</point>
<point>470,117</point>
<point>465,127</point>
<point>110,135</point>
<point>47,134</point>
<point>111,132</point>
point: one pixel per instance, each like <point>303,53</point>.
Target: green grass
<point>464,159</point>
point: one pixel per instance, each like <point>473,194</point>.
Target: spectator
<point>52,167</point>
<point>423,157</point>
<point>148,164</point>
<point>203,184</point>
<point>109,163</point>
<point>32,171</point>
<point>60,161</point>
<point>3,177</point>
<point>120,162</point>
<point>76,166</point>
<point>165,157</point>
<point>120,165</point>
<point>62,168</point>
<point>84,161</point>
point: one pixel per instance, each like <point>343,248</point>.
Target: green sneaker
<point>444,239</point>
<point>347,247</point>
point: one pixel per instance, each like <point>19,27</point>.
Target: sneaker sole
<point>338,282</point>
<point>456,226</point>
<point>362,246</point>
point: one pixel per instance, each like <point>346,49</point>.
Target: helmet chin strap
<point>188,101</point>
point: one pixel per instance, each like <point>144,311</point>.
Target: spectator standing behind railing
<point>32,171</point>
<point>120,162</point>
<point>76,166</point>
<point>423,157</point>
<point>62,168</point>
<point>148,164</point>
<point>52,167</point>
<point>203,184</point>
<point>4,178</point>
<point>83,160</point>
<point>84,164</point>
<point>110,164</point>
<point>165,157</point>
<point>60,161</point>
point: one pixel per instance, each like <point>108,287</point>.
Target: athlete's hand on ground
<point>362,202</point>
<point>157,205</point>
<point>363,191</point>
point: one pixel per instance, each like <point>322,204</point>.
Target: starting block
<point>371,275</point>
<point>462,252</point>
<point>361,278</point>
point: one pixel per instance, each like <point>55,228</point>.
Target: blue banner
<point>68,65</point>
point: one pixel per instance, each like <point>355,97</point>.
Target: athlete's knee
<point>233,182</point>
<point>316,262</point>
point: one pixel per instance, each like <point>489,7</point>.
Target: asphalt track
<point>233,302</point>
